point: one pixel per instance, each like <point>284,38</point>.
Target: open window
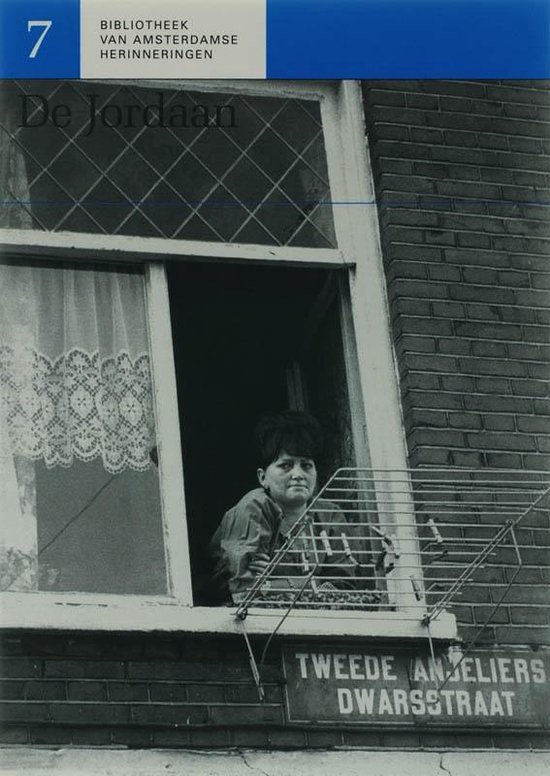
<point>250,339</point>
<point>250,290</point>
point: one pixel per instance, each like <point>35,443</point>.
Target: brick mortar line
<point>397,295</point>
<point>453,198</point>
<point>450,410</point>
<point>468,182</point>
<point>473,339</point>
<point>110,680</point>
<point>372,123</point>
<point>455,113</point>
<point>450,146</point>
<point>479,377</point>
<point>415,352</point>
<point>492,359</point>
<point>512,254</point>
<point>536,90</point>
<point>498,218</point>
<point>126,704</point>
<point>481,450</point>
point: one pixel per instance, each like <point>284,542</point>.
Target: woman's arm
<point>243,544</point>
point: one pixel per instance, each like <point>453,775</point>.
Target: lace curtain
<point>75,382</point>
<point>74,367</point>
<point>75,376</point>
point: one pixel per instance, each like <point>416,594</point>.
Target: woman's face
<point>290,480</point>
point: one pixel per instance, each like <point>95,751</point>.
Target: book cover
<point>274,364</point>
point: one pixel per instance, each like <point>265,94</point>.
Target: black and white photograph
<point>275,426</point>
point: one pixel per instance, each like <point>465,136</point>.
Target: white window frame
<point>373,383</point>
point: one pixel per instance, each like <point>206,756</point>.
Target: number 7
<point>46,25</point>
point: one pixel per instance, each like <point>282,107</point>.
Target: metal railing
<point>352,549</point>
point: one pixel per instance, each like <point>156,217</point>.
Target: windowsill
<point>128,613</point>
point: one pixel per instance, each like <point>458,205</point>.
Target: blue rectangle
<point>23,22</point>
<point>408,39</point>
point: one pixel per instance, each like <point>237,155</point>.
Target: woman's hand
<point>259,562</point>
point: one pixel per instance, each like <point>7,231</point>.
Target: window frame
<point>371,374</point>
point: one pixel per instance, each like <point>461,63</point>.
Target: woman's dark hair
<point>297,433</point>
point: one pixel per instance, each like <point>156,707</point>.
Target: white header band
<point>173,39</point>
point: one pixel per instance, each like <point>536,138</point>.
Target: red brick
<point>428,102</point>
<point>534,424</point>
<point>448,309</point>
<point>423,135</point>
<point>461,383</point>
<point>491,366</point>
<point>250,738</point>
<point>493,385</point>
<point>127,691</point>
<point>494,441</point>
<point>15,711</point>
<point>468,458</point>
<point>206,693</point>
<point>446,272</point>
<point>13,734</point>
<point>169,714</point>
<point>499,422</point>
<point>87,691</point>
<point>435,400</point>
<point>83,669</point>
<point>491,349</point>
<point>415,184</point>
<point>169,692</point>
<point>514,635</point>
<point>12,690</point>
<point>15,667</point>
<point>249,693</point>
<point>245,714</point>
<point>436,438</point>
<point>424,381</point>
<point>287,739</point>
<point>90,713</point>
<point>96,736</point>
<point>167,738</point>
<point>454,346</point>
<point>209,738</point>
<point>324,739</point>
<point>51,735</point>
<point>430,456</point>
<point>187,671</point>
<point>425,325</point>
<point>486,294</point>
<point>464,420</point>
<point>529,615</point>
<point>46,690</point>
<point>384,97</point>
<point>401,740</point>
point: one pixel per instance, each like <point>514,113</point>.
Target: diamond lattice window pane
<point>219,167</point>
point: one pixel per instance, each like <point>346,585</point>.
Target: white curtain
<point>74,370</point>
<point>75,382</point>
<point>74,366</point>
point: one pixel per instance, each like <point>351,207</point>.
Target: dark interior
<point>236,330</point>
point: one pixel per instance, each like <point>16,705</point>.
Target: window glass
<point>79,487</point>
<point>133,161</point>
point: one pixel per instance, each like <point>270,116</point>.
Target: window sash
<point>370,365</point>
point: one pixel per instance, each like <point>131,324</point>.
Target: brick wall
<point>153,690</point>
<point>462,174</point>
